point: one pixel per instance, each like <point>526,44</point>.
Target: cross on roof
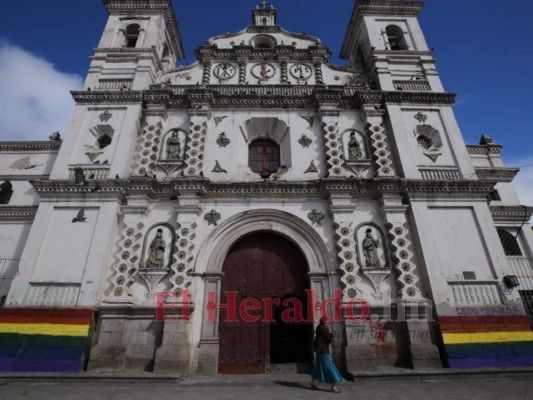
<point>265,3</point>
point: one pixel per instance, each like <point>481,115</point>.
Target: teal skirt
<point>325,371</point>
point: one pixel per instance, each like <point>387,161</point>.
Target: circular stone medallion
<point>224,71</point>
<point>301,71</point>
<point>263,71</point>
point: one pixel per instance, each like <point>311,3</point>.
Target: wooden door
<point>262,266</point>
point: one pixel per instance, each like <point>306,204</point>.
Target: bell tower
<point>140,40</point>
<point>384,38</point>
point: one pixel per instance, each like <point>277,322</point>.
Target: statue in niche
<point>173,147</point>
<point>354,148</point>
<point>370,251</point>
<point>156,257</point>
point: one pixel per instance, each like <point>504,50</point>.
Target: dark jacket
<point>322,339</point>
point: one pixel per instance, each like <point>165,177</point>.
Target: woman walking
<point>324,370</point>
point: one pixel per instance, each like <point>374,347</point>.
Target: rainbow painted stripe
<point>43,340</point>
<point>487,341</point>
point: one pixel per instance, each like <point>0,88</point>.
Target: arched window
<point>509,243</point>
<point>396,38</point>
<point>264,42</point>
<point>132,35</point>
<point>264,156</point>
<point>6,190</point>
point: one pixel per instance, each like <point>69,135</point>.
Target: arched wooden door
<point>263,266</point>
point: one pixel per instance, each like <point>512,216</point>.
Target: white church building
<point>261,174</point>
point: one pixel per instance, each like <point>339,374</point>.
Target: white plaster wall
<point>27,163</point>
<point>284,37</point>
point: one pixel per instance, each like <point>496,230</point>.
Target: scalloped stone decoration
<point>345,243</point>
<point>382,155</point>
<point>147,150</point>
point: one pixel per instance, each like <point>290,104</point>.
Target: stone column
<point>329,118</point>
<point>284,71</point>
<point>317,64</point>
<point>242,70</point>
<point>414,321</point>
<point>206,77</point>
<point>209,341</point>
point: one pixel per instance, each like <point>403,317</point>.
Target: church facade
<point>201,219</point>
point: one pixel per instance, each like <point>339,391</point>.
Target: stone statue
<point>173,147</point>
<point>354,148</point>
<point>370,251</point>
<point>79,176</point>
<point>156,257</point>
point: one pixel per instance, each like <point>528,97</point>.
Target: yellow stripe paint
<point>487,337</point>
<point>45,329</point>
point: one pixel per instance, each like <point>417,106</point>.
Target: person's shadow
<point>296,385</point>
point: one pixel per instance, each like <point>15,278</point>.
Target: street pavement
<point>501,386</point>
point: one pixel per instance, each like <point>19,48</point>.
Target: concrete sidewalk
<point>503,386</point>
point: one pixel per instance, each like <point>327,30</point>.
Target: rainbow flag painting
<point>43,340</point>
<point>487,341</point>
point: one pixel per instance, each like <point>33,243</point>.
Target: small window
<point>509,243</point>
<point>424,142</point>
<point>264,156</point>
<point>104,140</point>
<point>132,35</point>
<point>6,190</point>
<point>396,38</point>
<point>264,42</point>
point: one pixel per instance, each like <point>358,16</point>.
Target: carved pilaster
<point>379,141</point>
<point>196,146</point>
<point>242,70</point>
<point>284,71</point>
<point>148,146</point>
<point>333,147</point>
<point>402,255</point>
<point>206,78</point>
<point>317,64</point>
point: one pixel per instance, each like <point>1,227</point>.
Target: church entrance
<point>262,272</point>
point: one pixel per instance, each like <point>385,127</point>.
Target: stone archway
<point>320,263</point>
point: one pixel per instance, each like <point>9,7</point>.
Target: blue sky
<point>484,51</point>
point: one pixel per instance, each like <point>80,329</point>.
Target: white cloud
<point>35,97</point>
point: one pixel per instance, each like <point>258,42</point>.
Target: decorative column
<point>284,71</point>
<point>413,309</point>
<point>200,112</point>
<point>173,354</point>
<point>317,64</point>
<point>329,116</point>
<point>378,140</point>
<point>242,70</point>
<point>206,78</point>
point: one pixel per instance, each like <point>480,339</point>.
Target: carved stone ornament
<point>301,71</point>
<point>224,71</point>
<point>421,117</point>
<point>377,278</point>
<point>218,120</point>
<point>263,71</point>
<point>105,116</point>
<point>212,217</point>
<point>152,277</point>
<point>223,140</point>
<point>311,169</point>
<point>55,136</point>
<point>93,156</point>
<point>218,169</point>
<point>316,217</point>
<point>433,156</point>
<point>310,120</point>
<point>305,141</point>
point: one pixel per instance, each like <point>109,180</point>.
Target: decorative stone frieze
<point>344,233</point>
